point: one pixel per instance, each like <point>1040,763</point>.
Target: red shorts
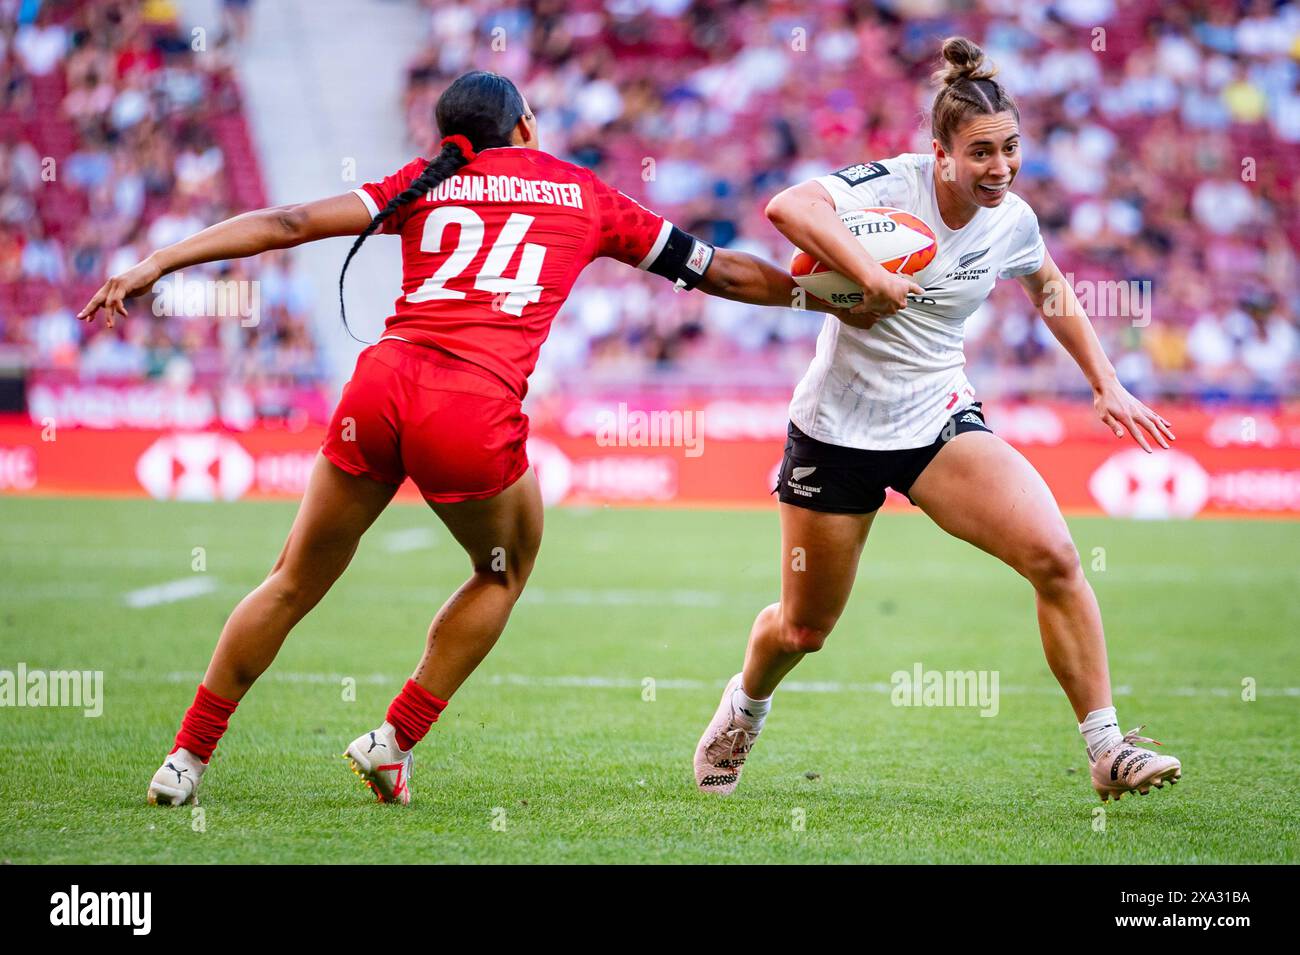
<point>413,411</point>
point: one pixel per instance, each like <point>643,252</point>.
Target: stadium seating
<point>104,111</point>
<point>1137,142</point>
<point>1122,127</point>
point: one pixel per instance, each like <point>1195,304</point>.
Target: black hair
<point>481,106</point>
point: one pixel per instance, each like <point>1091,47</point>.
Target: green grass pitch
<point>551,753</point>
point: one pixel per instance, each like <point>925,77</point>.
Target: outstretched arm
<point>632,234</point>
<point>279,227</point>
<point>805,214</point>
<point>1059,307</point>
<point>747,278</point>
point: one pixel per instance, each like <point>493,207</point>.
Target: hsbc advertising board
<point>711,453</point>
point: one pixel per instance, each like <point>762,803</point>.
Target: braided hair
<point>967,87</point>
<point>477,111</point>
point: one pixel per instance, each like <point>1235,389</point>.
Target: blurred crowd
<point>1159,149</point>
<point>119,133</point>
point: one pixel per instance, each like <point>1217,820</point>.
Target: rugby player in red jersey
<point>494,233</point>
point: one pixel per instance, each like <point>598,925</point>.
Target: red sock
<point>204,724</point>
<point>412,712</point>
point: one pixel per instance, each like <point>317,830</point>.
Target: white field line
<point>186,588</point>
<point>631,683</point>
<point>411,539</point>
<point>570,596</point>
<point>625,597</point>
<point>420,539</point>
<point>78,590</point>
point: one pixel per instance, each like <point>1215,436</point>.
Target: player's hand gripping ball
<point>898,240</point>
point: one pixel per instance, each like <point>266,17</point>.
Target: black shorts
<point>828,477</point>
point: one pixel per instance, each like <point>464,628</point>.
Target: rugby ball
<point>898,240</point>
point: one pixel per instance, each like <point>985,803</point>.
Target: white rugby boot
<point>383,765</point>
<point>725,745</point>
<point>1126,767</point>
<point>177,780</point>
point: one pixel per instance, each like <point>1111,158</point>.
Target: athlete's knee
<point>507,567</point>
<point>804,633</point>
<point>299,583</point>
<point>291,591</point>
<point>768,621</point>
<point>1052,565</point>
<point>520,570</point>
<point>310,563</point>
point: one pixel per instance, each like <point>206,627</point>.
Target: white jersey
<point>893,387</point>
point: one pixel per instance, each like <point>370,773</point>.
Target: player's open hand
<point>1121,412</point>
<point>886,295</point>
<point>136,280</point>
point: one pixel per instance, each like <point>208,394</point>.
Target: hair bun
<point>965,62</point>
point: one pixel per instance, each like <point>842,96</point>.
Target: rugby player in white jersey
<point>887,404</point>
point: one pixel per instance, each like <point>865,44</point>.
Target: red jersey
<point>489,256</point>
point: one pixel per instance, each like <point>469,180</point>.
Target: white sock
<point>1100,730</point>
<point>754,710</point>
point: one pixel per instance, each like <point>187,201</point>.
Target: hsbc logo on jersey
<point>861,172</point>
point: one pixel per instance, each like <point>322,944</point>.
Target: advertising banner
<point>710,453</point>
